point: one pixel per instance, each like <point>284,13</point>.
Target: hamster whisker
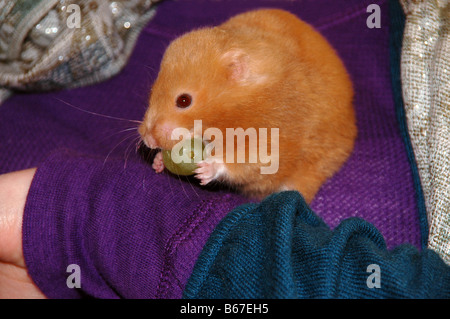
<point>98,114</point>
<point>128,151</point>
<point>139,144</point>
<point>170,184</point>
<point>119,132</point>
<point>182,186</point>
<point>193,188</point>
<point>123,140</point>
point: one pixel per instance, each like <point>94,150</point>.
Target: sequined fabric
<point>44,44</point>
<point>426,93</point>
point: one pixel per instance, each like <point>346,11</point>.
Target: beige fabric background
<point>41,50</point>
<point>425,72</point>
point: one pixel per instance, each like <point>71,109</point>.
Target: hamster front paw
<point>158,164</point>
<point>208,171</point>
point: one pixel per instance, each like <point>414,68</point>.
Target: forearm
<point>132,232</point>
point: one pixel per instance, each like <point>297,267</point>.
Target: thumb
<point>13,194</point>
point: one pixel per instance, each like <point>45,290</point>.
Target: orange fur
<point>261,69</point>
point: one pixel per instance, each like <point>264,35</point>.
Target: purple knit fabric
<point>134,233</point>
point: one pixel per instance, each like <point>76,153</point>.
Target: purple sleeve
<point>130,235</point>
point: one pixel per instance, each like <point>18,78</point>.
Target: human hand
<point>14,279</point>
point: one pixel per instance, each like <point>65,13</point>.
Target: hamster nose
<point>147,138</point>
<point>149,141</point>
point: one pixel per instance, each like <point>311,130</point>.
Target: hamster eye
<point>184,100</point>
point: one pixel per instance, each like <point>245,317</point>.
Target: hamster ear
<point>238,64</point>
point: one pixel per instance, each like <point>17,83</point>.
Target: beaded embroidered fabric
<point>426,92</point>
<point>44,44</point>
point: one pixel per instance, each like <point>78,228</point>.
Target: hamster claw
<point>158,164</point>
<point>205,172</point>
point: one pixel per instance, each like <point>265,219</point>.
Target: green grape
<point>190,153</point>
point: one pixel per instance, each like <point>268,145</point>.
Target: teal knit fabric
<point>281,249</point>
<point>397,25</point>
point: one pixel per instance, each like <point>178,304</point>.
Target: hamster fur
<point>260,69</point>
